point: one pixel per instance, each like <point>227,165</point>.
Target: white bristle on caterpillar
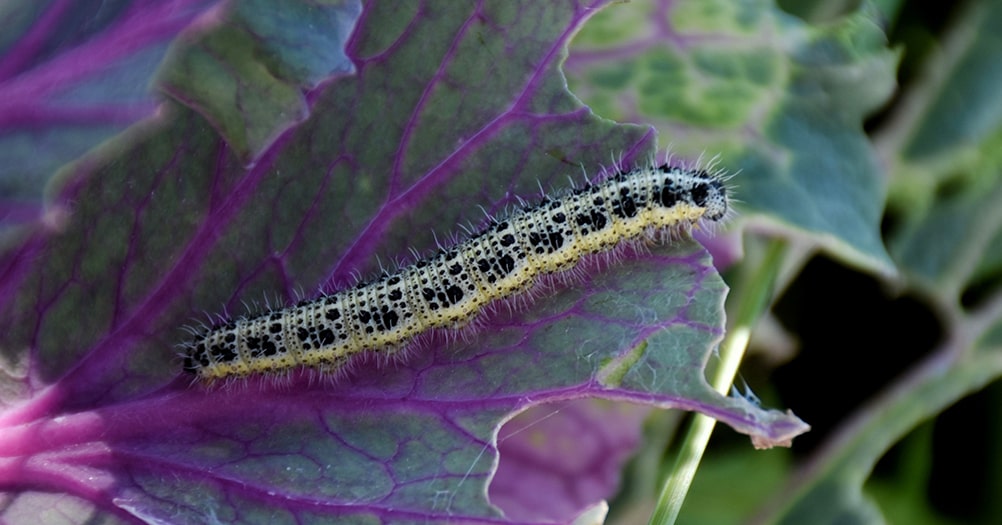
<point>455,284</point>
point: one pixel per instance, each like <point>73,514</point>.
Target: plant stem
<point>756,294</point>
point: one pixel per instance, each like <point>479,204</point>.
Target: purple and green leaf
<point>73,74</point>
<point>778,99</point>
<point>272,173</point>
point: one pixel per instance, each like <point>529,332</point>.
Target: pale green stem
<point>756,293</point>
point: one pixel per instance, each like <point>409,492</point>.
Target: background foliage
<point>887,362</point>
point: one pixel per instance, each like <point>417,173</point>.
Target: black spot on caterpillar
<point>450,287</point>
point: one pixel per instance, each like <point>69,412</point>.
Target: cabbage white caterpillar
<point>453,285</point>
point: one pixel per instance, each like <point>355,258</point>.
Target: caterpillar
<point>451,286</point>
